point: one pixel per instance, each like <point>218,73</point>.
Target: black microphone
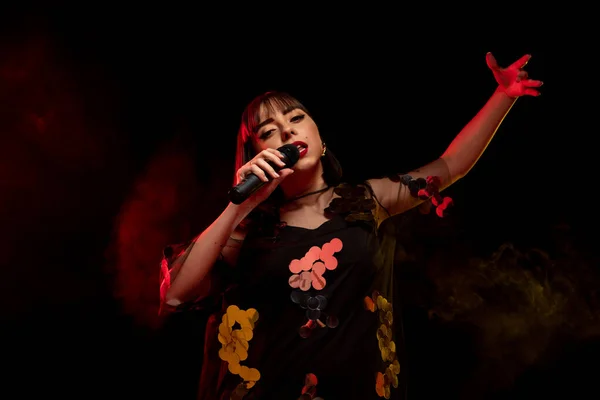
<point>252,183</point>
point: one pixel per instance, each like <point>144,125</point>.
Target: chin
<point>307,164</point>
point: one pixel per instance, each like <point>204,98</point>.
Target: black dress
<point>311,313</point>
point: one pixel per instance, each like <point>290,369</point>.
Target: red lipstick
<point>302,148</point>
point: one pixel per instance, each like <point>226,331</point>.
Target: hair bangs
<point>272,102</point>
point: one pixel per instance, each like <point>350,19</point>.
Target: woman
<point>300,274</point>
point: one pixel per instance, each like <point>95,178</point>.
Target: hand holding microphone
<point>261,175</point>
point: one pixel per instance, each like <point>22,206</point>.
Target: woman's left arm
<point>466,148</point>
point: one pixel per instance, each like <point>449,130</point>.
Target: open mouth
<point>302,148</point>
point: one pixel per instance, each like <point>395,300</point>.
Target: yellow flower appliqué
<point>234,343</point>
<point>387,346</point>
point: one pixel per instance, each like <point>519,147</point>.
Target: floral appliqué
<point>308,273</point>
<point>309,391</point>
<point>353,204</point>
<point>426,189</point>
<point>389,378</point>
<point>234,346</point>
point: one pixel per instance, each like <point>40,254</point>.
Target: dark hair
<point>275,100</point>
<point>266,217</point>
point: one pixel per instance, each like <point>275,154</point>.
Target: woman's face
<point>291,126</point>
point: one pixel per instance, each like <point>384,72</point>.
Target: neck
<point>302,191</point>
<point>307,194</point>
<point>296,188</point>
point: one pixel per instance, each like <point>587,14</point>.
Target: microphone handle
<point>251,183</point>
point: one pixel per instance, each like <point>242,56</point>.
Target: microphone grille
<point>291,154</point>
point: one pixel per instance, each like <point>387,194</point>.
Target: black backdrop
<point>118,130</point>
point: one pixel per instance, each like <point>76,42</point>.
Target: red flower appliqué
<point>308,271</point>
<point>426,189</point>
<point>431,191</point>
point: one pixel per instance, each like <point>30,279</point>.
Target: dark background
<point>118,132</point>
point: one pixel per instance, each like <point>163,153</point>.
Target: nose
<point>287,133</point>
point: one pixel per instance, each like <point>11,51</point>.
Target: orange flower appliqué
<point>308,271</point>
<point>234,342</point>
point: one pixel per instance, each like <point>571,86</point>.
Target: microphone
<point>251,183</point>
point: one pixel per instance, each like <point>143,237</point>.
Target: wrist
<point>501,91</point>
<point>238,212</point>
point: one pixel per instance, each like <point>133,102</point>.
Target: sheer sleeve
<point>380,213</point>
<point>211,290</point>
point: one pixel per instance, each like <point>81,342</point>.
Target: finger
<point>266,167</point>
<point>491,61</point>
<point>531,92</point>
<point>276,181</point>
<point>240,177</point>
<point>275,156</point>
<point>274,151</point>
<point>285,173</point>
<point>282,175</point>
<point>255,169</point>
<point>243,172</point>
<point>532,83</point>
<point>521,62</point>
<point>522,75</point>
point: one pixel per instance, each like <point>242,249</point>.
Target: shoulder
<point>357,201</point>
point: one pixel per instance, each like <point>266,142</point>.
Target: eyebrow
<point>270,120</point>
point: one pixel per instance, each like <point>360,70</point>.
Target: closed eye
<point>265,135</point>
<point>296,118</point>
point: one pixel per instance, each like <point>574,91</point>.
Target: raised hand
<point>513,80</point>
<point>261,166</point>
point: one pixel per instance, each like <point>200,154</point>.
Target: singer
<point>298,276</point>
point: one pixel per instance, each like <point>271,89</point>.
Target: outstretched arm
<point>470,143</point>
